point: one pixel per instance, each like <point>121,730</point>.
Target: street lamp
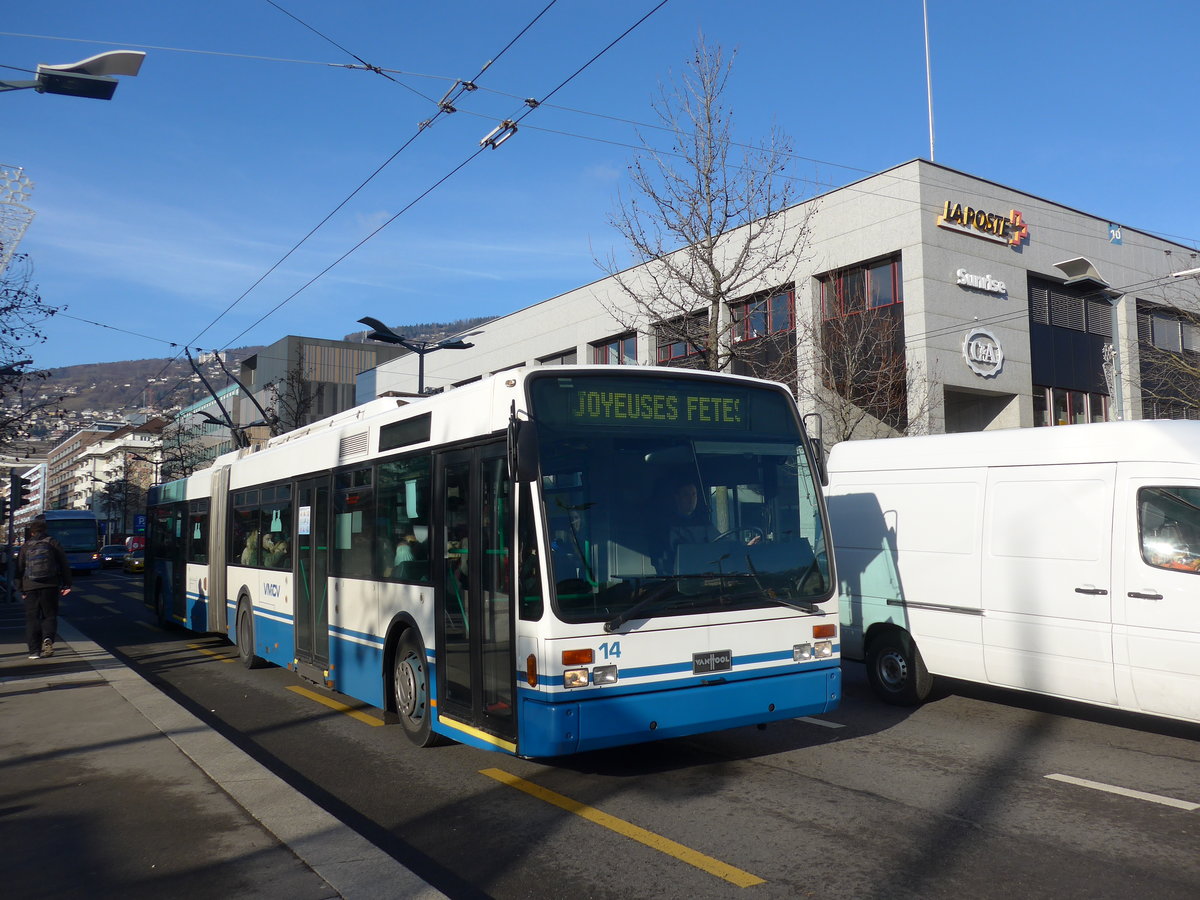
<point>89,77</point>
<point>422,348</point>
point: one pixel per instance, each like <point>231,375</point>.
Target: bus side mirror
<point>818,454</point>
<point>522,448</point>
<point>813,423</point>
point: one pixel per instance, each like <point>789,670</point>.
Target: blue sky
<point>158,209</point>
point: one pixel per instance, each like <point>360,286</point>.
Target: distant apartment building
<point>303,379</point>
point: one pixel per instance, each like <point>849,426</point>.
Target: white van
<point>1064,561</point>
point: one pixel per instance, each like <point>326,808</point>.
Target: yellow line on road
<point>212,653</point>
<point>333,704</point>
<point>692,857</point>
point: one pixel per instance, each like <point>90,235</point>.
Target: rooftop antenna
<point>928,76</point>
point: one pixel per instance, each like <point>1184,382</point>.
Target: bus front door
<point>475,669</point>
<point>311,581</point>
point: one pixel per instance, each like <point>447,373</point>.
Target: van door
<point>1046,580</point>
<point>1158,578</point>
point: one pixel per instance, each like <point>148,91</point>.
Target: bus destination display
<point>671,404</point>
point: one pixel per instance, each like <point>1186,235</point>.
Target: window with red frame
<point>680,338</point>
<point>858,288</point>
<point>617,351</point>
<point>761,316</point>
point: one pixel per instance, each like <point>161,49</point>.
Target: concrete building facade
<point>1006,304</point>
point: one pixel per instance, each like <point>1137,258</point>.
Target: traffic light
<point>21,489</point>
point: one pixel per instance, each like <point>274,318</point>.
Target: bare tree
<point>292,399</point>
<point>856,374</point>
<point>22,312</point>
<point>186,448</point>
<point>1169,360</point>
<point>705,230</point>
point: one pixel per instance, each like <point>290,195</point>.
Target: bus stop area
<point>110,788</point>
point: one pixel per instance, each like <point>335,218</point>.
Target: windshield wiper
<point>653,593</point>
<point>811,608</point>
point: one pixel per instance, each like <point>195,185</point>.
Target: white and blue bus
<point>496,564</point>
<point>78,531</point>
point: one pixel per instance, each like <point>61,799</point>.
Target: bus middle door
<point>475,672</point>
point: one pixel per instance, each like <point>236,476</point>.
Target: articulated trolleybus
<point>544,562</point>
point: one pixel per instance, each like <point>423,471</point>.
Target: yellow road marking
<point>211,653</point>
<point>692,857</point>
<point>333,704</point>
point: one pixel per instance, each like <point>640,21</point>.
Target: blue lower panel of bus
<point>555,729</point>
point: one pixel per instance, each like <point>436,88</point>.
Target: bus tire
<point>896,671</point>
<point>411,691</point>
<point>245,636</point>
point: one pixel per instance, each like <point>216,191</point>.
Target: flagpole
<point>928,76</point>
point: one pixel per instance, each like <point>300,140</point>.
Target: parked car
<point>112,555</point>
<point>135,561</point>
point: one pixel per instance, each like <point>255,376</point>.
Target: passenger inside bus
<point>682,519</point>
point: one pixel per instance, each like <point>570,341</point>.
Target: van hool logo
<point>983,352</point>
<point>1010,229</point>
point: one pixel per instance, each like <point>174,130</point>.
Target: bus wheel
<point>410,682</point>
<point>245,636</point>
<point>896,670</point>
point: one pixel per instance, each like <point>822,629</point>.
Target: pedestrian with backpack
<point>45,575</point>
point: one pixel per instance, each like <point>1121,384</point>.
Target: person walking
<point>45,575</point>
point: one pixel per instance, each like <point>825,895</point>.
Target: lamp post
<point>383,334</point>
<point>90,78</point>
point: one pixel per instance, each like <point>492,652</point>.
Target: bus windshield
<point>75,535</point>
<point>671,496</point>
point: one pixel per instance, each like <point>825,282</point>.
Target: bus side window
<point>402,519</point>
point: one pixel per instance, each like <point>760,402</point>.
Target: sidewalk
<point>108,788</point>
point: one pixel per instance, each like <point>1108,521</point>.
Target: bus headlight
<point>573,678</point>
<point>802,652</point>
<point>824,649</point>
<point>604,675</point>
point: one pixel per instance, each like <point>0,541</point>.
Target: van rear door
<point>1046,579</point>
<point>1157,630</point>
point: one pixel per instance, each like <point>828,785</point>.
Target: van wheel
<point>896,670</point>
<point>410,684</point>
<point>245,637</point>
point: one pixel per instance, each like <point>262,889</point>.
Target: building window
<point>1059,406</point>
<point>680,338</point>
<point>1168,362</point>
<point>764,315</point>
<point>616,351</point>
<point>1079,309</point>
<point>565,358</point>
<point>869,286</point>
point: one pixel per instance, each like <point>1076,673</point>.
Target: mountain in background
<point>131,389</point>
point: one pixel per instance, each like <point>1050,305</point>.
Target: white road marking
<point>1126,792</point>
<point>811,721</point>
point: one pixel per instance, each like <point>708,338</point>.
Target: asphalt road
<point>978,793</point>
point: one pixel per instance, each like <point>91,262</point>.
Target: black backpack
<point>41,563</point>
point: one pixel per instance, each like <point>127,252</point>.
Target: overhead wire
<point>474,155</point>
<point>421,128</point>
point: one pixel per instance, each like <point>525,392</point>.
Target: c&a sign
<point>1010,229</point>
